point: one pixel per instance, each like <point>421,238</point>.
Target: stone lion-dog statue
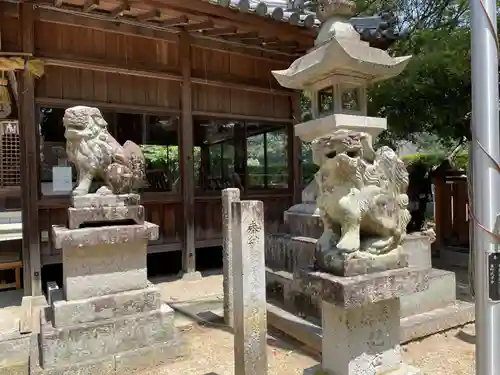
<point>95,153</point>
<point>361,195</point>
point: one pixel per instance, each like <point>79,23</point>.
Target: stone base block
<point>14,350</point>
<point>91,215</point>
<point>356,291</point>
<point>73,344</point>
<point>68,313</point>
<point>440,293</point>
<point>418,248</point>
<point>289,253</point>
<point>362,263</point>
<point>94,236</point>
<point>413,327</point>
<point>403,370</point>
<point>129,362</point>
<point>104,269</point>
<point>105,200</point>
<point>21,368</point>
<point>103,366</point>
<point>304,220</point>
<point>362,340</point>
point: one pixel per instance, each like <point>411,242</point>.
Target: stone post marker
<point>228,196</point>
<point>250,319</point>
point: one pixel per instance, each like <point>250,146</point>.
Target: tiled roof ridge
<point>295,12</point>
<point>379,30</point>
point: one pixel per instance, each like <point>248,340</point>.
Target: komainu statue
<point>361,197</point>
<point>95,153</point>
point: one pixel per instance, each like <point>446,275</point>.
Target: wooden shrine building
<point>188,80</point>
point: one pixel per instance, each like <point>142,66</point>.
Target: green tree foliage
<point>433,94</point>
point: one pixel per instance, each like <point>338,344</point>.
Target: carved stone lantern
<point>336,73</point>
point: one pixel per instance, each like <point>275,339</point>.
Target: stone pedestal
<point>422,313</point>
<point>361,319</point>
<point>109,319</point>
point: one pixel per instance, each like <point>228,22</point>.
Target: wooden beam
<point>281,43</point>
<point>127,108</point>
<point>109,68</point>
<point>118,11</point>
<point>174,21</point>
<point>221,31</point>
<point>245,21</point>
<point>148,16</point>
<point>232,116</point>
<point>208,24</point>
<point>224,81</point>
<point>150,31</point>
<point>187,162</point>
<point>28,134</point>
<point>90,5</point>
<point>13,85</point>
<point>247,35</point>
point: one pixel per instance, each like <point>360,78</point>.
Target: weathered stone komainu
<point>362,202</point>
<point>109,319</point>
<point>95,153</point>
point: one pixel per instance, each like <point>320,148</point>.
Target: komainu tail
<point>137,163</point>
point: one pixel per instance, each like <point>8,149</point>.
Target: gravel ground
<point>450,353</point>
<point>212,354</point>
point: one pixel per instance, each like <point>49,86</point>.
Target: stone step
<point>73,344</point>
<point>414,327</point>
<point>440,293</point>
<point>453,315</point>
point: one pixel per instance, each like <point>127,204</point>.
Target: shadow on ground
<point>466,337</point>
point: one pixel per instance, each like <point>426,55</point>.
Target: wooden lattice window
<point>10,155</point>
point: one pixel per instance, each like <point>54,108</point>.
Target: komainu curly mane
<point>95,153</point>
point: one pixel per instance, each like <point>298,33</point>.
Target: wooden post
<point>187,162</point>
<point>28,133</point>
<point>249,276</point>
<point>439,200</point>
<point>295,145</point>
<point>228,197</point>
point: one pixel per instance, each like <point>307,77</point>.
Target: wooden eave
<point>198,18</point>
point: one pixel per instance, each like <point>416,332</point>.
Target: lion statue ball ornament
<point>95,153</point>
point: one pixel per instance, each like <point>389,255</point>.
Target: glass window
<point>256,161</point>
<point>267,156</point>
<point>162,153</point>
<point>214,155</point>
<point>129,127</point>
<point>156,135</point>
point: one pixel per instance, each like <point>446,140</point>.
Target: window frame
<point>112,128</point>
